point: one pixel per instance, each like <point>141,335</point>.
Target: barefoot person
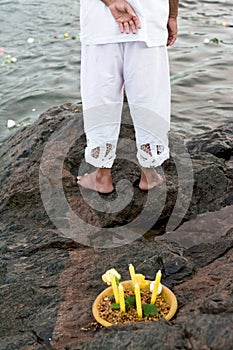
<point>124,47</point>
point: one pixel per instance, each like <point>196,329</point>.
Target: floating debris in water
<point>10,123</point>
<point>9,59</point>
<point>213,40</point>
<point>206,41</point>
<point>65,36</point>
<point>225,24</point>
<point>30,40</point>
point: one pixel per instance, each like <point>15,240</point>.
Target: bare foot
<point>100,181</point>
<point>149,179</point>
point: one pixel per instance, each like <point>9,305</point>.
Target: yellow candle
<point>156,287</point>
<point>122,298</point>
<point>138,300</point>
<point>131,271</point>
<point>115,289</point>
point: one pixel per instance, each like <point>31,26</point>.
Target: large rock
<point>54,147</point>
<point>218,142</point>
<point>49,281</point>
<point>160,335</point>
<point>203,287</point>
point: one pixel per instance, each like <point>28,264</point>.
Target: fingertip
<point>121,27</point>
<point>138,23</point>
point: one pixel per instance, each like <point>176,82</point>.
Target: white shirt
<point>98,26</point>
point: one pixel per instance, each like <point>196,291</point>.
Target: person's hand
<point>172,31</point>
<point>125,15</point>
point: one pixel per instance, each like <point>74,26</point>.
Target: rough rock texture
<point>207,227</point>
<point>48,281</point>
<point>218,142</point>
<point>39,150</point>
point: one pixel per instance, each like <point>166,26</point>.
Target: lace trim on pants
<point>101,156</point>
<point>152,155</point>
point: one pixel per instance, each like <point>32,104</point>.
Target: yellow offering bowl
<point>167,294</point>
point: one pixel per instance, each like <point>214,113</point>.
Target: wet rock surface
<point>49,281</point>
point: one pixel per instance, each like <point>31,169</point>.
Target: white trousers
<point>143,72</point>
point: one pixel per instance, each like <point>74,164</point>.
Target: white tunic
<point>98,26</point>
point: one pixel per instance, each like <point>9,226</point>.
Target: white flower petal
<point>13,59</point>
<point>159,289</point>
<point>30,40</point>
<point>10,123</point>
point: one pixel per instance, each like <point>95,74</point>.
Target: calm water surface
<point>47,71</point>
